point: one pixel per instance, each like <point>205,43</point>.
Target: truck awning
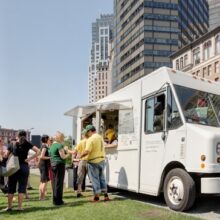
<point>83,110</point>
<point>99,106</point>
<point>114,105</point>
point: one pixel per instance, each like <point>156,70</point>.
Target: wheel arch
<point>169,166</point>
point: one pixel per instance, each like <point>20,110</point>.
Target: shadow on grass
<point>73,204</point>
<point>74,196</point>
<point>154,200</point>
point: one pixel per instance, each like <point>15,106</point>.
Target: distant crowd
<point>87,157</point>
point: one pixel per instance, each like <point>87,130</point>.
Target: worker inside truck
<point>109,124</point>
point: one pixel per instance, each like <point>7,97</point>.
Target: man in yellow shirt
<point>81,164</point>
<point>96,162</point>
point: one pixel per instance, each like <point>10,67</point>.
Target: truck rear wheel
<point>179,190</point>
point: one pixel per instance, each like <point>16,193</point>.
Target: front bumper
<point>210,185</point>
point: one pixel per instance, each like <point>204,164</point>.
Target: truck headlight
<point>218,148</point>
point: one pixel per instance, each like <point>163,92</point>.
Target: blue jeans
<point>96,175</point>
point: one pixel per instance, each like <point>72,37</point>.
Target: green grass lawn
<point>82,208</point>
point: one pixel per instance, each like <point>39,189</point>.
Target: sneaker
<point>30,188</point>
<point>7,209</point>
<point>95,199</point>
<point>78,195</point>
<point>106,198</point>
<point>59,203</point>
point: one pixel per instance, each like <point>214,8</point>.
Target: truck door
<point>163,139</point>
<point>152,143</point>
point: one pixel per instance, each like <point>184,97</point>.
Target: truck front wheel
<point>179,190</point>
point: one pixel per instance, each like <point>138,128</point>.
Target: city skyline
<point>44,56</point>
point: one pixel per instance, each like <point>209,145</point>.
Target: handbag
<point>2,170</point>
<point>12,166</point>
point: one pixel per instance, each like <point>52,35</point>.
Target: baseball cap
<point>84,131</point>
<point>90,128</point>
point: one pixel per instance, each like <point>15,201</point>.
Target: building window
<point>204,72</point>
<point>217,45</point>
<point>181,62</point>
<point>186,60</point>
<point>209,70</point>
<point>177,65</point>
<point>217,71</point>
<point>198,73</point>
<point>207,49</point>
<point>196,56</point>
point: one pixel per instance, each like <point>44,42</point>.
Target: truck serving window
<point>199,107</point>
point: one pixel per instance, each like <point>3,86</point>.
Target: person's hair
<point>44,139</point>
<point>59,137</point>
<point>22,133</point>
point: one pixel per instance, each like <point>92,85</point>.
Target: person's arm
<point>42,155</point>
<point>1,154</point>
<point>114,144</point>
<point>37,153</point>
<point>70,151</point>
<point>62,154</point>
<point>85,153</point>
<point>6,154</point>
<point>111,145</point>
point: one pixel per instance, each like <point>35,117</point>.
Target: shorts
<point>20,177</point>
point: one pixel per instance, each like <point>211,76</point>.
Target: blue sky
<point>44,56</point>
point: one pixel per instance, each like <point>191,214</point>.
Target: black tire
<point>183,187</point>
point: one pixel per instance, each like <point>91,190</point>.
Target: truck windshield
<point>199,107</point>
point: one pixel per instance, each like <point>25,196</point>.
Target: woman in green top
<point>58,156</point>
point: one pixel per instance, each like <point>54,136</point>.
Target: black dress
<point>44,166</point>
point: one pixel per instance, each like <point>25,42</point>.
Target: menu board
<point>126,121</point>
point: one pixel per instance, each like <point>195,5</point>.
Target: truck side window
<point>173,115</point>
<point>154,108</point>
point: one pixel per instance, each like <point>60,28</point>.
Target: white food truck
<point>168,131</point>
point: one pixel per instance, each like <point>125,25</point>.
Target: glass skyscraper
<point>147,32</point>
<point>214,13</point>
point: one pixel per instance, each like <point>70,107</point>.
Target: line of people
<point>89,154</point>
